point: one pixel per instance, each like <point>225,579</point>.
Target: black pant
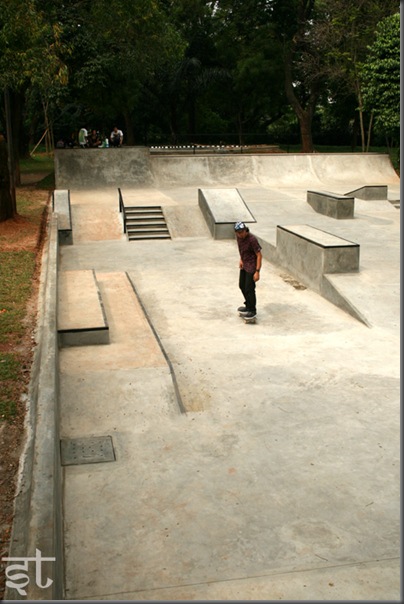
<point>247,285</point>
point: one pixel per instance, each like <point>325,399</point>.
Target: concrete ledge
<point>38,521</point>
<point>310,253</point>
<point>221,209</point>
<point>61,206</point>
<point>370,192</point>
<point>331,204</point>
<point>81,316</point>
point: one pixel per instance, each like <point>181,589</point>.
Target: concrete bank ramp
<point>221,209</point>
<point>134,166</point>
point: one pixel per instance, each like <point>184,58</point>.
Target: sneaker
<point>242,309</point>
<point>249,315</point>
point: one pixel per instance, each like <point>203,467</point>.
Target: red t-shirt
<point>248,248</point>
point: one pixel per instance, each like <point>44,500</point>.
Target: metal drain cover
<point>95,449</point>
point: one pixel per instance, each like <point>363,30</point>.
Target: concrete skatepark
<point>250,462</point>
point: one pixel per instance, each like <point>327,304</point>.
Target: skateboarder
<point>250,266</point>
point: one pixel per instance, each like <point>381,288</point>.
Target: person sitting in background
<point>94,139</point>
<point>116,137</point>
<point>83,134</point>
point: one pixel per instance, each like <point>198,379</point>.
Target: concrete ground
<point>279,477</point>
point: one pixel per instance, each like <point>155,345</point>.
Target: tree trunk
<point>6,198</point>
<point>305,121</point>
<point>369,131</point>
<point>173,123</point>
<point>128,135</point>
<point>17,100</point>
<point>304,115</point>
<point>191,116</point>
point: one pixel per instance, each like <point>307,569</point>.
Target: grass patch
<point>8,405</point>
<point>9,367</point>
<point>16,273</point>
<point>19,251</point>
<point>11,376</point>
<point>47,183</point>
<point>41,162</point>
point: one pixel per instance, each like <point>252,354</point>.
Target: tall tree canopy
<point>169,70</point>
<point>381,77</point>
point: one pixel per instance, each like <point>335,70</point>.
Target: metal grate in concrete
<point>94,449</point>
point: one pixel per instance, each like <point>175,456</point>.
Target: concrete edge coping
<point>62,207</point>
<point>38,521</point>
<point>294,230</point>
<point>330,194</point>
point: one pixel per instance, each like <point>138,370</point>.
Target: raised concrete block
<point>61,206</point>
<point>221,209</point>
<point>370,192</point>
<point>310,253</point>
<point>331,204</point>
<point>81,316</point>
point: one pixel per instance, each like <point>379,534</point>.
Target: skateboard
<point>247,320</point>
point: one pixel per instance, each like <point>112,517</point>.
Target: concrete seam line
<point>172,372</point>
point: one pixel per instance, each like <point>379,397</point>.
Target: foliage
<point>170,70</point>
<point>381,76</point>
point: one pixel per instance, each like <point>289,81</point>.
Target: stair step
<point>143,207</point>
<point>135,237</point>
<point>146,227</point>
<point>143,211</point>
<point>149,221</point>
<point>145,222</point>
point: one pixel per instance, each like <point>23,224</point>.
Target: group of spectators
<point>93,139</point>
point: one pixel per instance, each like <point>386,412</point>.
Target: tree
<point>324,42</point>
<point>346,30</point>
<point>252,97</point>
<point>117,48</point>
<point>6,201</point>
<point>381,77</point>
<point>28,57</point>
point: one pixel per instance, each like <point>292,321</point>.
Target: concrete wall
<point>134,166</point>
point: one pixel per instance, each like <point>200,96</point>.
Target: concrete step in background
<point>146,222</point>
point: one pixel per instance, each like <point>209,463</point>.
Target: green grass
<point>39,163</point>
<point>10,374</point>
<point>9,366</point>
<point>16,273</point>
<point>8,405</point>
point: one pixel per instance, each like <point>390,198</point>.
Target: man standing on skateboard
<point>250,266</point>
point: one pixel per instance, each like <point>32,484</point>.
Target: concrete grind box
<point>311,253</point>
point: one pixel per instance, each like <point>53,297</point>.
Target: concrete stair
<point>145,222</point>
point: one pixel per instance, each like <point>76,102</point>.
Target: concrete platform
<point>280,476</point>
<point>61,206</point>
<point>330,204</point>
<point>221,209</point>
<point>81,315</point>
